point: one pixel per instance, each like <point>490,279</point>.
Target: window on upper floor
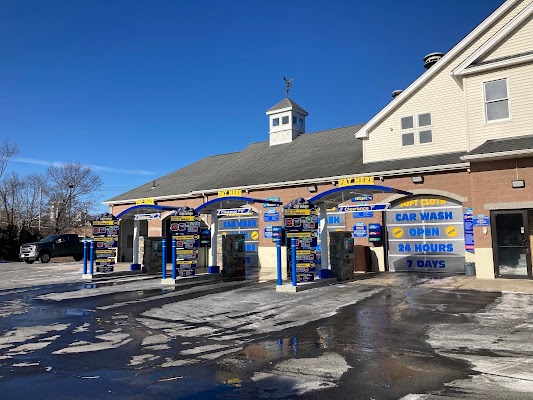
<point>300,122</point>
<point>294,120</point>
<point>285,120</point>
<point>275,122</point>
<point>416,130</point>
<point>496,100</point>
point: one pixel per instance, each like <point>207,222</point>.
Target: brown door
<point>511,243</point>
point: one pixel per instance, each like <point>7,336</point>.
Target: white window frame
<point>275,120</point>
<point>495,121</point>
<point>424,128</point>
<point>287,117</point>
<point>416,129</point>
<point>405,131</point>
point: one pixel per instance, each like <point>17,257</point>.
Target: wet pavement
<point>395,336</point>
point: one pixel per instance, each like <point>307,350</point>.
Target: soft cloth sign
<point>426,233</point>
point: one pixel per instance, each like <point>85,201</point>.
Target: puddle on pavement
<point>382,339</point>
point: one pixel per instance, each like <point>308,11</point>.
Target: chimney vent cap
<point>396,93</point>
<point>431,58</point>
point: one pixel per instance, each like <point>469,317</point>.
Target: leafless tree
<point>72,190</point>
<point>10,189</point>
<point>7,152</point>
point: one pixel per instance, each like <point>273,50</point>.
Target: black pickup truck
<point>52,246</point>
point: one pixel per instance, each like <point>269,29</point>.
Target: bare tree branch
<point>7,152</point>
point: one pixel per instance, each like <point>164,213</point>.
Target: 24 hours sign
<point>426,233</point>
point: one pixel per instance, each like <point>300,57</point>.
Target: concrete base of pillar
<point>191,279</point>
<point>288,288</point>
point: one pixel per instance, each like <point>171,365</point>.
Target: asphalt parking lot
<point>393,336</point>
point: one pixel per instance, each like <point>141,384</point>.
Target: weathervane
<point>288,85</point>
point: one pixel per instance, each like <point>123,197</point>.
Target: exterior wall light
<point>417,179</point>
<point>518,184</point>
<point>312,188</point>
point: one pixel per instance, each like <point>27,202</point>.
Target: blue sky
<point>137,89</point>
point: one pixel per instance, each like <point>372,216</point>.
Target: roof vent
<point>396,93</point>
<point>431,59</point>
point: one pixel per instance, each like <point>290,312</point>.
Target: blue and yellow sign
<point>355,180</point>
<point>230,192</point>
<point>426,233</point>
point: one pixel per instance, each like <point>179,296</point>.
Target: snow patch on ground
<point>296,377</point>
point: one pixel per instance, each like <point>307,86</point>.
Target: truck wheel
<point>78,258</point>
<point>28,261</point>
<point>44,258</point>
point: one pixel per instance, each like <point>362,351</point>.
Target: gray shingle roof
<point>286,102</point>
<point>335,152</point>
<point>500,145</point>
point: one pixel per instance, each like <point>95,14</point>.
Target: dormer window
<point>275,122</point>
<point>285,120</point>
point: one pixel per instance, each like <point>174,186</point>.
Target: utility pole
<point>70,187</point>
<point>40,205</point>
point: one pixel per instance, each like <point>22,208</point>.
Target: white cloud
<point>93,167</point>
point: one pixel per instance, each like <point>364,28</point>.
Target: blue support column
<point>173,258</point>
<point>91,256</point>
<point>278,253</point>
<point>164,258</point>
<point>84,257</point>
<point>293,261</point>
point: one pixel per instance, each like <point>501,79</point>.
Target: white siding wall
<point>520,83</point>
<point>444,99</point>
<point>520,42</point>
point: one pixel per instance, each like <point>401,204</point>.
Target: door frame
<point>495,255</point>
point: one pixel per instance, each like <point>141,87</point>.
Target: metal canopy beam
<point>231,202</point>
<point>130,213</point>
<point>339,195</point>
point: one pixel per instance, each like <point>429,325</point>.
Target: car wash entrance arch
<point>138,216</point>
<point>233,221</point>
<point>346,190</point>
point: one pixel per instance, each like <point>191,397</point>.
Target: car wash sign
<point>105,235</point>
<point>300,219</point>
<point>426,233</point>
<point>185,228</point>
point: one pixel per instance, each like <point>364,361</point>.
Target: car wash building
<point>449,160</point>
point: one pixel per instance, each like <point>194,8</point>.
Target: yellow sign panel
<point>291,211</point>
<point>451,231</point>
<point>103,223</point>
<point>183,218</point>
<point>149,200</point>
<point>356,180</point>
<point>105,239</point>
<point>181,251</point>
<point>230,192</point>
<point>301,234</point>
<point>422,202</point>
<point>186,237</point>
<point>105,251</point>
<point>255,235</point>
<point>397,232</point>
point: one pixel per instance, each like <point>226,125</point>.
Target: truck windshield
<point>50,238</point>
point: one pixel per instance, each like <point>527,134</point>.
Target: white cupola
<point>286,121</point>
